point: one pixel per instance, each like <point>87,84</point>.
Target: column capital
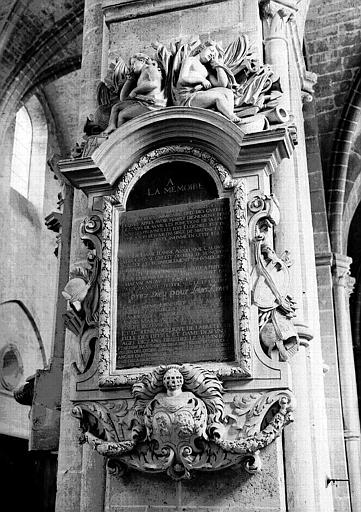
<point>282,10</point>
<point>341,272</point>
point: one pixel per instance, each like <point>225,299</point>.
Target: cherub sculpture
<point>194,74</point>
<point>141,92</point>
<point>231,81</point>
<point>203,82</point>
<point>175,416</point>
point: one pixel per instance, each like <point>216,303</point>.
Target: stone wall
<point>29,266</point>
<point>333,49</point>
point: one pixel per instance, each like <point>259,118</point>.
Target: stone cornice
<point>204,129</point>
<point>122,10</point>
<point>173,125</point>
<point>84,174</point>
<point>265,150</point>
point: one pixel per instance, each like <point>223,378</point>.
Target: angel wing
<point>237,53</point>
<point>165,58</point>
<point>181,51</point>
<point>108,90</point>
<point>120,73</point>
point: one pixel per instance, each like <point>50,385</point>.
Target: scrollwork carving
<point>263,438</point>
<point>271,284</point>
<point>82,292</point>
<point>178,425</point>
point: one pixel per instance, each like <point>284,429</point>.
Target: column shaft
<point>341,287</point>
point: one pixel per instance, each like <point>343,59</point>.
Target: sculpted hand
<point>216,62</point>
<point>206,84</point>
<point>132,94</point>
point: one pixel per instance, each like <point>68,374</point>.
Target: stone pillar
<point>338,462</point>
<point>92,58</point>
<point>306,456</point>
<point>342,287</point>
<point>92,481</point>
<point>77,472</point>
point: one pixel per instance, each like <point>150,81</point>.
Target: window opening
<point>21,158</point>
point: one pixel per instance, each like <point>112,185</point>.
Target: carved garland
<point>178,424</point>
<point>243,367</point>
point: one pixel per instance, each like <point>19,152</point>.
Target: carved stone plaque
<point>175,293</point>
<point>169,184</point>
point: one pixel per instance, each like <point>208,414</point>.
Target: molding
<point>240,368</point>
<point>84,174</point>
<point>123,10</point>
<point>324,259</point>
<point>264,151</point>
<point>200,127</point>
<point>205,129</point>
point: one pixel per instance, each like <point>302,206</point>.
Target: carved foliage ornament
<point>178,425</point>
<point>271,281</point>
<point>82,292</point>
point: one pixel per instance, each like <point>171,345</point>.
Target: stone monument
<point>182,322</point>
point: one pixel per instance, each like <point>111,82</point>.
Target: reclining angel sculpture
<point>194,74</point>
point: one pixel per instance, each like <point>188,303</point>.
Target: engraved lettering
<point>175,285</point>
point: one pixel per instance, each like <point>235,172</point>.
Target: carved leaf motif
<point>241,260</point>
<point>242,403</point>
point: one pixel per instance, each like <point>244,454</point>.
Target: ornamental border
<point>241,368</point>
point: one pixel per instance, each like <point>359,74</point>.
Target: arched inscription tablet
<point>171,183</point>
<point>174,295</point>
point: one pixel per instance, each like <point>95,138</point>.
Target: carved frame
<point>235,189</point>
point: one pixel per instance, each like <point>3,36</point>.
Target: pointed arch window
<point>28,163</point>
<point>21,158</point>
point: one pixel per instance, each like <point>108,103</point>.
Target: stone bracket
<point>179,424</point>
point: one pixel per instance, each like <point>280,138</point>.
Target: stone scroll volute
<point>179,424</point>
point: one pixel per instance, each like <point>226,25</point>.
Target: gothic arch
<point>33,324</point>
<point>34,62</point>
<point>345,136</point>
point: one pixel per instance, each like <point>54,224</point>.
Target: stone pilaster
<point>306,459</point>
<point>92,59</point>
<point>75,471</point>
<point>342,288</point>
